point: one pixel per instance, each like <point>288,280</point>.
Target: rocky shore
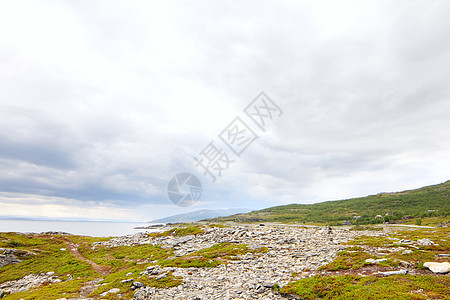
<point>291,249</point>
<point>276,255</point>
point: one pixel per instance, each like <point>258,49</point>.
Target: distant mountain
<point>201,215</point>
<point>429,201</point>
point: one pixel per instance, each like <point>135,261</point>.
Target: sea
<point>97,229</point>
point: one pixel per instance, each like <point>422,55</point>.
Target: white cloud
<point>104,102</point>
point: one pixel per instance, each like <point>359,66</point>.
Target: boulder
<point>439,268</point>
<point>114,291</point>
<point>162,276</point>
<point>425,242</point>
<point>138,284</point>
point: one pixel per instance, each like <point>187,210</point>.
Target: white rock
<point>389,273</point>
<point>425,242</point>
<point>114,291</point>
<point>407,251</point>
<point>375,261</point>
<point>62,249</point>
<point>436,267</point>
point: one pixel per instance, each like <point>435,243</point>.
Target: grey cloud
<point>133,91</point>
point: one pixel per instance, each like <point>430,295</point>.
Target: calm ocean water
<point>98,229</point>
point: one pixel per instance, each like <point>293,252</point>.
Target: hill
<point>200,215</point>
<point>429,201</point>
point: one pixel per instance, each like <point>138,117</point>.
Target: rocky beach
<point>263,259</point>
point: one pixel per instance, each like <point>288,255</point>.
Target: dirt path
<point>73,248</point>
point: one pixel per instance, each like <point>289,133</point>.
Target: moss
<point>369,228</point>
<point>68,289</point>
<point>276,287</point>
<point>372,241</point>
<point>48,258</point>
<point>211,257</point>
<point>218,225</point>
<point>356,287</point>
<point>227,250</point>
<point>180,231</point>
<point>115,281</point>
<point>167,282</point>
<point>124,256</point>
<point>190,262</point>
<point>352,258</point>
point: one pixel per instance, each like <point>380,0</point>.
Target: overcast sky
<point>103,102</point>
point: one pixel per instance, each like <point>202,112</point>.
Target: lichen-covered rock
<point>437,267</point>
<point>10,256</point>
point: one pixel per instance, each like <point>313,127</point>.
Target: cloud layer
<point>102,103</point>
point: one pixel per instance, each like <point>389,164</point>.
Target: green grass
<point>356,287</point>
<point>352,258</point>
<point>210,257</point>
<point>190,262</point>
<point>372,241</point>
<point>419,255</point>
<point>179,231</point>
<point>164,283</point>
<point>218,225</point>
<point>362,228</point>
<point>68,289</point>
<point>114,280</point>
<point>118,258</point>
<point>48,258</point>
<point>428,221</point>
<point>123,260</point>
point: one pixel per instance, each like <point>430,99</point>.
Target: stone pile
<point>291,250</point>
<point>28,282</point>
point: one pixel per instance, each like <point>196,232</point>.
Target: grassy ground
<point>179,231</point>
<point>48,257</point>
<point>358,287</point>
<point>349,276</point>
<point>51,253</point>
<point>210,257</point>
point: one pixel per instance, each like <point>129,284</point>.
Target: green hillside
<point>429,201</point>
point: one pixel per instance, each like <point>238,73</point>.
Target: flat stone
<point>389,273</point>
<point>425,242</point>
<point>154,272</point>
<point>439,268</point>
<point>375,261</point>
<point>162,276</point>
<point>138,284</point>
